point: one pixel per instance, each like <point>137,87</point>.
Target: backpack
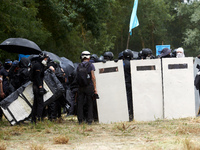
<point>83,77</point>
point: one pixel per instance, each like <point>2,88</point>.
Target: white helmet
<point>85,54</point>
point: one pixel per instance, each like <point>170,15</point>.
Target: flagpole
<point>128,40</point>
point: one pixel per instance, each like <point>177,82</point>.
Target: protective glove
<point>96,96</point>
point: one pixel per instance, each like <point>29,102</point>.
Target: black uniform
<point>38,104</point>
<point>72,93</point>
<point>21,74</point>
<point>86,93</point>
<point>54,109</point>
<point>128,87</point>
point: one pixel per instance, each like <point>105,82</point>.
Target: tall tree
<point>153,17</point>
<point>18,19</point>
<point>190,12</point>
<point>177,26</point>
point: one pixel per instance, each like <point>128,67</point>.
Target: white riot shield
<point>112,104</point>
<point>21,108</point>
<point>147,89</point>
<point>197,96</point>
<point>178,84</point>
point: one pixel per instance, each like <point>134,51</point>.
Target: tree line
<point>67,27</point>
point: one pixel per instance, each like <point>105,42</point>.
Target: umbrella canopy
<point>52,56</point>
<point>67,65</point>
<point>20,46</point>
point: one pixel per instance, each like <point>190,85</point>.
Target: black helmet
<point>128,54</point>
<point>108,55</point>
<point>94,57</point>
<point>120,55</point>
<point>140,55</point>
<point>100,59</point>
<point>173,54</point>
<point>146,52</point>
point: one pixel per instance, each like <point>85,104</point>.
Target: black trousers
<point>85,94</point>
<point>72,102</point>
<point>54,110</point>
<point>38,104</point>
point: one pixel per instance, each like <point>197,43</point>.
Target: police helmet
<point>108,55</point>
<point>85,54</point>
<point>173,54</point>
<point>94,57</point>
<point>146,52</point>
<point>128,54</point>
<point>120,55</point>
<point>140,55</point>
<point>8,61</point>
<point>100,59</point>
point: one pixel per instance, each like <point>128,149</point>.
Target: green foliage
<point>152,29</point>
<point>190,13</point>
<point>18,19</point>
<point>68,27</point>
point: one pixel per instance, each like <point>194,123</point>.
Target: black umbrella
<point>53,56</point>
<point>20,46</point>
<point>67,65</point>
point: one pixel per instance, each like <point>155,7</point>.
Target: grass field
<point>67,134</point>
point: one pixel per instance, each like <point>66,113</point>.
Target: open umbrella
<point>67,65</point>
<point>20,46</point>
<point>52,56</point>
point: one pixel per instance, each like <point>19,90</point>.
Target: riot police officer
<point>38,69</point>
<point>108,56</point>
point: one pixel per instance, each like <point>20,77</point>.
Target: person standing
<point>180,52</point>
<point>87,87</point>
<point>4,82</point>
<point>38,69</point>
<point>165,53</point>
<point>127,56</point>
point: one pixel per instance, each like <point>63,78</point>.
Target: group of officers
<point>81,100</point>
<point>128,55</point>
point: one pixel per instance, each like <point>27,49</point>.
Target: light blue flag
<point>134,20</point>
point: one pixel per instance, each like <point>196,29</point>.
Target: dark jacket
<point>38,73</point>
